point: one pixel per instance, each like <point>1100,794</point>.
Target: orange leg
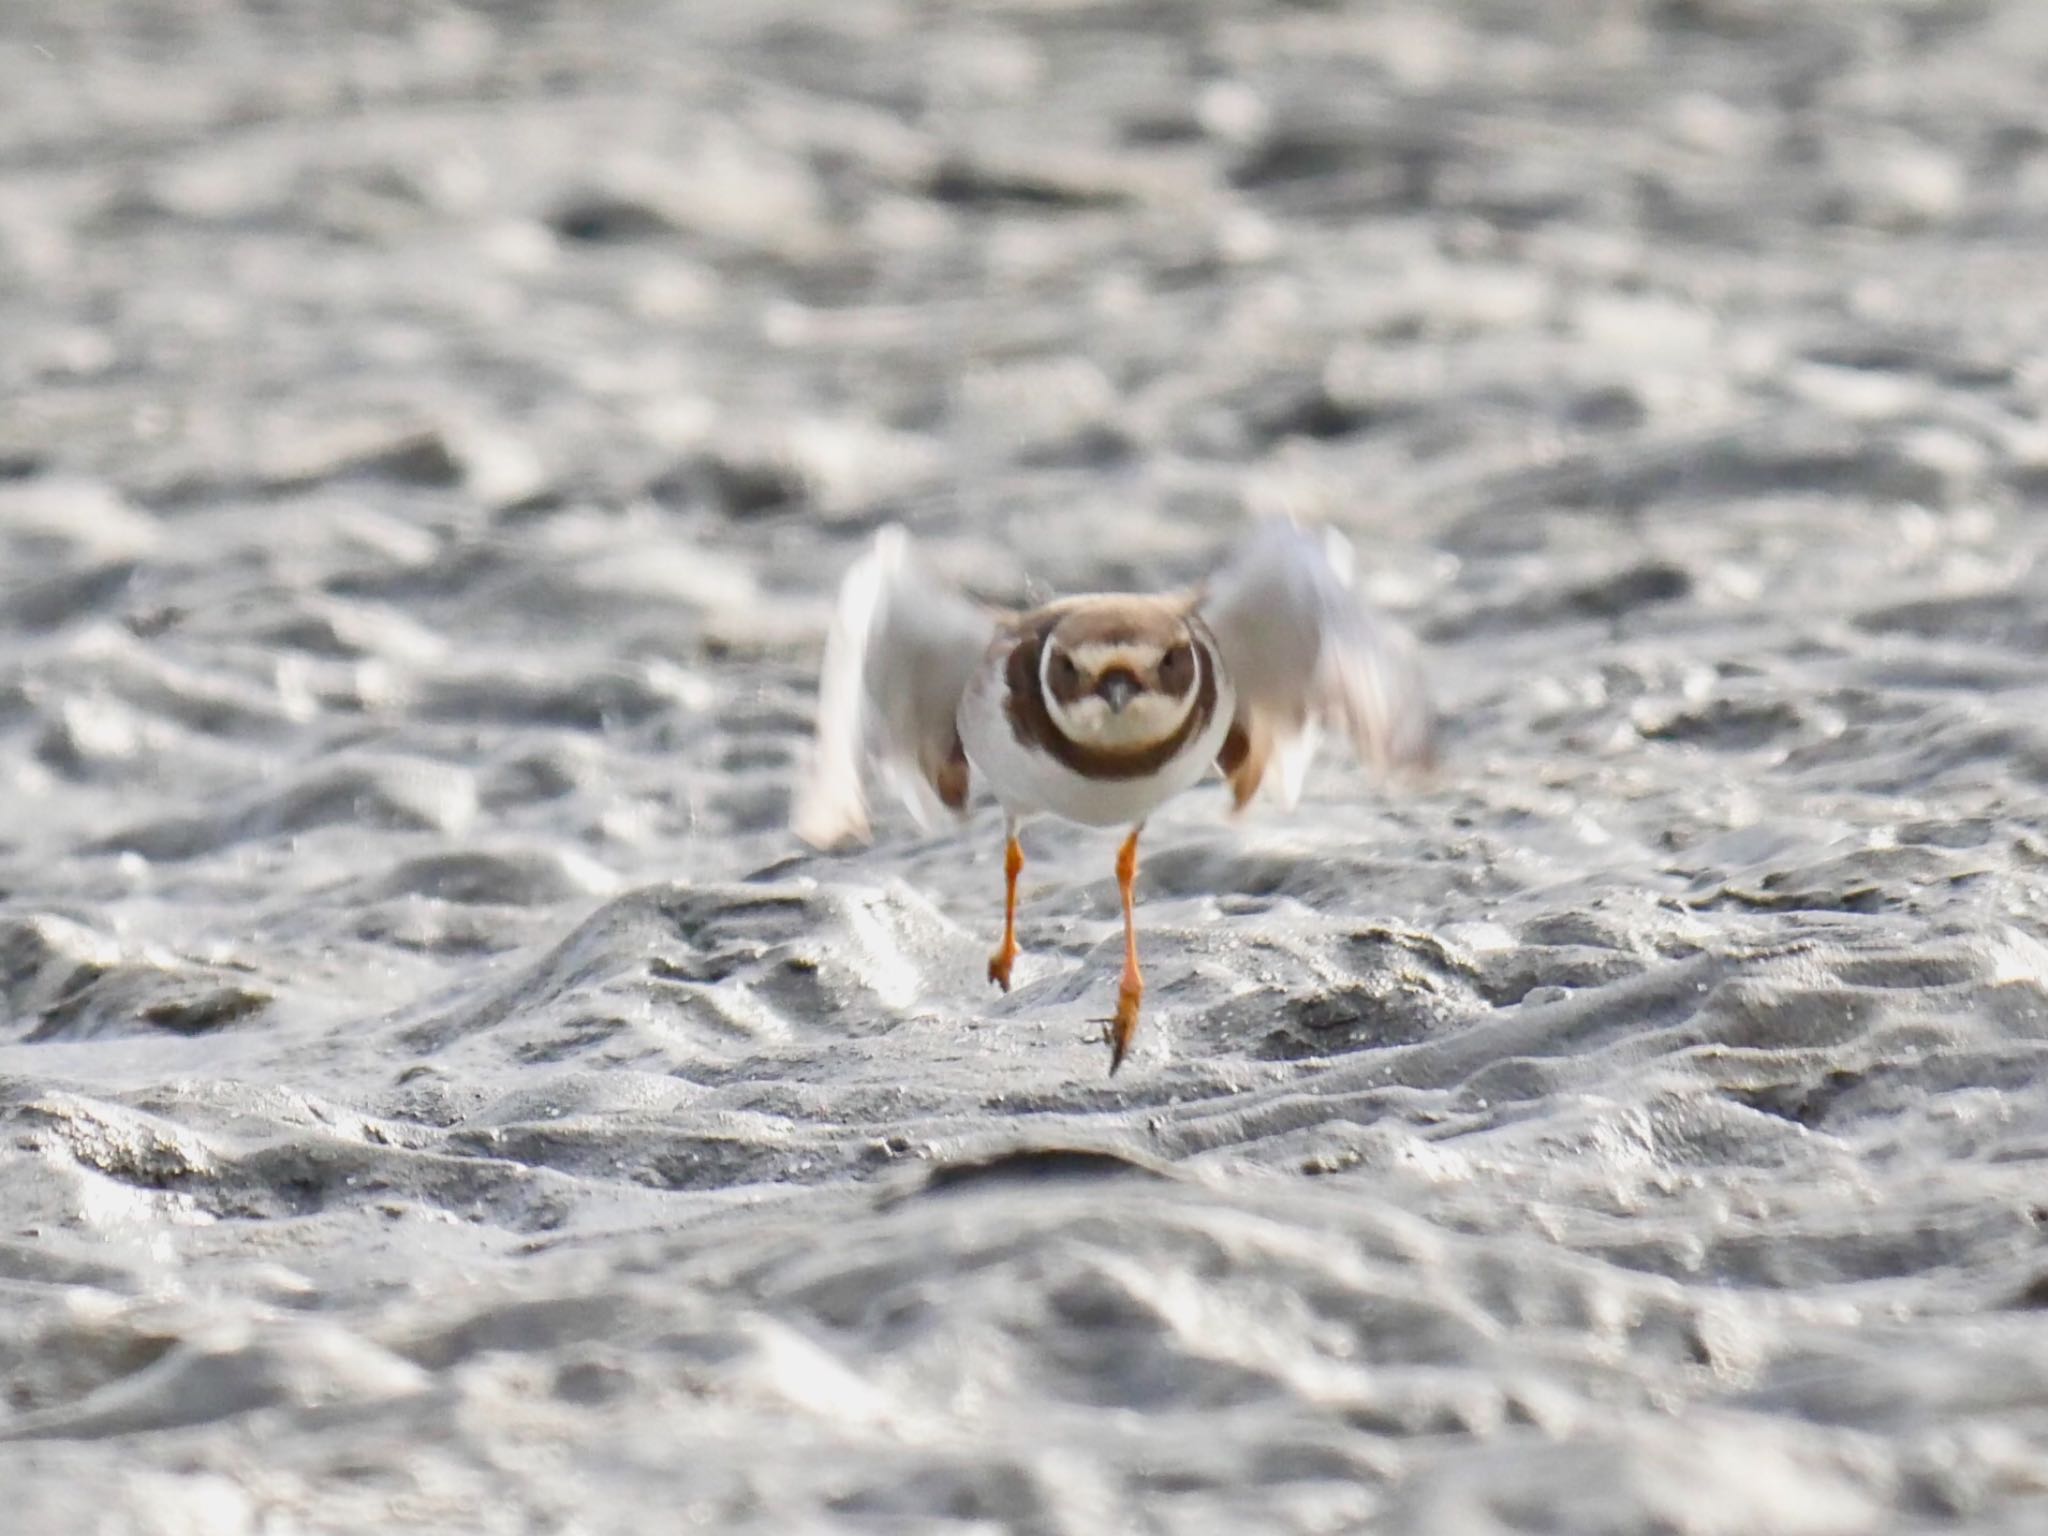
<point>1013,866</point>
<point>1132,988</point>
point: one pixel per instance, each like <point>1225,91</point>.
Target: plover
<point>1099,708</point>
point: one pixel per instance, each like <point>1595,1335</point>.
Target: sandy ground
<point>437,1095</point>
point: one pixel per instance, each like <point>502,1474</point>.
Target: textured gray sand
<point>435,1095</point>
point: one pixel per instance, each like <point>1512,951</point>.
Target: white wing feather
<point>898,656</point>
<point>1305,650</point>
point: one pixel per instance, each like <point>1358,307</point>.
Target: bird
<point>1098,708</point>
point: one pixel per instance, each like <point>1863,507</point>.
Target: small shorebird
<point>1099,708</point>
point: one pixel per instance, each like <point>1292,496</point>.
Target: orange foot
<point>1119,1031</point>
<point>1132,988</point>
<point>1000,962</point>
<point>1006,953</point>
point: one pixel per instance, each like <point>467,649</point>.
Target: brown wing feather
<point>1303,650</point>
<point>1243,760</point>
<point>902,647</point>
<point>951,780</point>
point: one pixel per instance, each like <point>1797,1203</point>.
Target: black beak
<point>1117,688</point>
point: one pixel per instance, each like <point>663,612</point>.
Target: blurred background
<point>430,436</point>
<point>424,331</point>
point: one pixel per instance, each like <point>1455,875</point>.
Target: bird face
<point>1121,689</point>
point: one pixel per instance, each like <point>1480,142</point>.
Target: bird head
<point>1120,677</point>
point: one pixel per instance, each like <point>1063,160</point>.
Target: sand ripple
<point>435,1092</point>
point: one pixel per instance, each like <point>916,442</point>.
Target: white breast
<point>1027,781</point>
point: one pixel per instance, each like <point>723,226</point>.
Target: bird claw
<point>1106,1035</point>
<point>999,967</point>
<point>1118,1032</point>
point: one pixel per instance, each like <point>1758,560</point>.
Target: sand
<point>436,1092</point>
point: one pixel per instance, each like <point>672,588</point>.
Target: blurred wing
<point>1304,651</point>
<point>899,654</point>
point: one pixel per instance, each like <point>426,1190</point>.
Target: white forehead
<point>1098,656</point>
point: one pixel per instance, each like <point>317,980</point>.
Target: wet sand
<point>439,1095</point>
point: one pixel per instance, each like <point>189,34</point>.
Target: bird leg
<point>1132,988</point>
<point>1013,866</point>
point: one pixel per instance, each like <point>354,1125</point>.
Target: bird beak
<point>1117,688</point>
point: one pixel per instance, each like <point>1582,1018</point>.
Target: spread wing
<point>899,654</point>
<point>1305,650</point>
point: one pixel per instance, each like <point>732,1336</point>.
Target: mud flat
<point>435,1092</point>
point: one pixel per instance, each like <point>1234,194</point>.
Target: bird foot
<point>1118,1032</point>
<point>999,965</point>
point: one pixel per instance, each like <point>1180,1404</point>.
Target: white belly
<point>1029,782</point>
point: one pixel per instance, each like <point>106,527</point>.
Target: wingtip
<point>829,823</point>
<point>891,545</point>
<point>1425,770</point>
<point>1340,553</point>
<point>828,839</point>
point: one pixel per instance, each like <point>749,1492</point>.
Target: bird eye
<point>1177,669</point>
<point>1066,677</point>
